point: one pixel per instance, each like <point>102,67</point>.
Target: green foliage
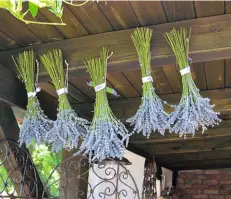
<point>33,9</point>
<point>15,7</point>
<point>45,162</point>
<point>5,183</point>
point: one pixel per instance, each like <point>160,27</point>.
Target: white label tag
<point>61,91</point>
<point>147,79</point>
<point>100,87</point>
<point>185,71</point>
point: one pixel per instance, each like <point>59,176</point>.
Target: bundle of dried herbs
<point>68,127</point>
<point>35,124</point>
<point>151,115</point>
<point>107,134</point>
<point>193,112</point>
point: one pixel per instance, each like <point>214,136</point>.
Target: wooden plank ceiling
<point>213,78</point>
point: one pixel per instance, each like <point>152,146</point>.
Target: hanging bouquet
<point>193,111</point>
<point>150,116</point>
<point>107,134</point>
<point>68,127</point>
<point>35,124</point>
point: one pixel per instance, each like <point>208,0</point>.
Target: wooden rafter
<point>211,40</point>
<point>12,89</point>
<point>13,92</point>
<point>223,130</point>
<point>124,108</point>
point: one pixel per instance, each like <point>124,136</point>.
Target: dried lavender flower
<point>35,124</point>
<point>107,134</point>
<point>150,116</point>
<point>68,127</point>
<point>194,111</point>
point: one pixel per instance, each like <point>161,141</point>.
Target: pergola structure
<point>110,23</point>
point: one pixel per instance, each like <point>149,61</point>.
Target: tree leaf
<point>33,9</point>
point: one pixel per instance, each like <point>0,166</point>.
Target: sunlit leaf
<point>33,9</point>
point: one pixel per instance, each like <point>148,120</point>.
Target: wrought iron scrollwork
<point>149,182</point>
<point>107,180</point>
<point>18,176</point>
<point>75,177</point>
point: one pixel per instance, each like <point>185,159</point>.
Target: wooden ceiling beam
<point>211,40</point>
<point>207,164</point>
<point>223,130</point>
<point>12,90</point>
<point>125,108</point>
<point>197,156</point>
<point>206,144</point>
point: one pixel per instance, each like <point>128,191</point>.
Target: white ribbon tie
<point>33,94</point>
<point>185,71</point>
<point>100,87</point>
<point>147,79</point>
<point>62,91</point>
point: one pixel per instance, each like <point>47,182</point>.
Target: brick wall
<point>204,184</point>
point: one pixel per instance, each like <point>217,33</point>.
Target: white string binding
<point>33,94</point>
<point>147,79</point>
<point>62,91</point>
<point>185,71</point>
<point>100,87</point>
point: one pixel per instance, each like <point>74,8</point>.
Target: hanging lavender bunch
<point>193,112</point>
<point>107,134</point>
<point>150,116</point>
<point>35,124</point>
<point>68,127</point>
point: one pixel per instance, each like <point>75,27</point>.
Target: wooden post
<point>9,130</point>
<point>77,187</point>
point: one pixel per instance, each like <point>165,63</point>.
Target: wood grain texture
<point>124,108</point>
<point>198,164</point>
<point>134,77</point>
<point>149,12</point>
<point>74,94</point>
<point>214,74</point>
<point>199,156</point>
<point>81,84</point>
<point>77,94</point>
<point>198,74</point>
<point>227,73</point>
<point>17,30</point>
<point>12,89</point>
<point>215,132</point>
<point>227,7</point>
<point>120,14</point>
<point>188,146</point>
<point>209,41</point>
<point>92,17</point>
<point>45,33</point>
<point>49,88</point>
<point>73,27</point>
<point>110,96</point>
<point>178,10</point>
<point>6,42</point>
<point>120,83</point>
<point>173,77</point>
<point>161,84</point>
<point>209,8</point>
<point>160,81</point>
